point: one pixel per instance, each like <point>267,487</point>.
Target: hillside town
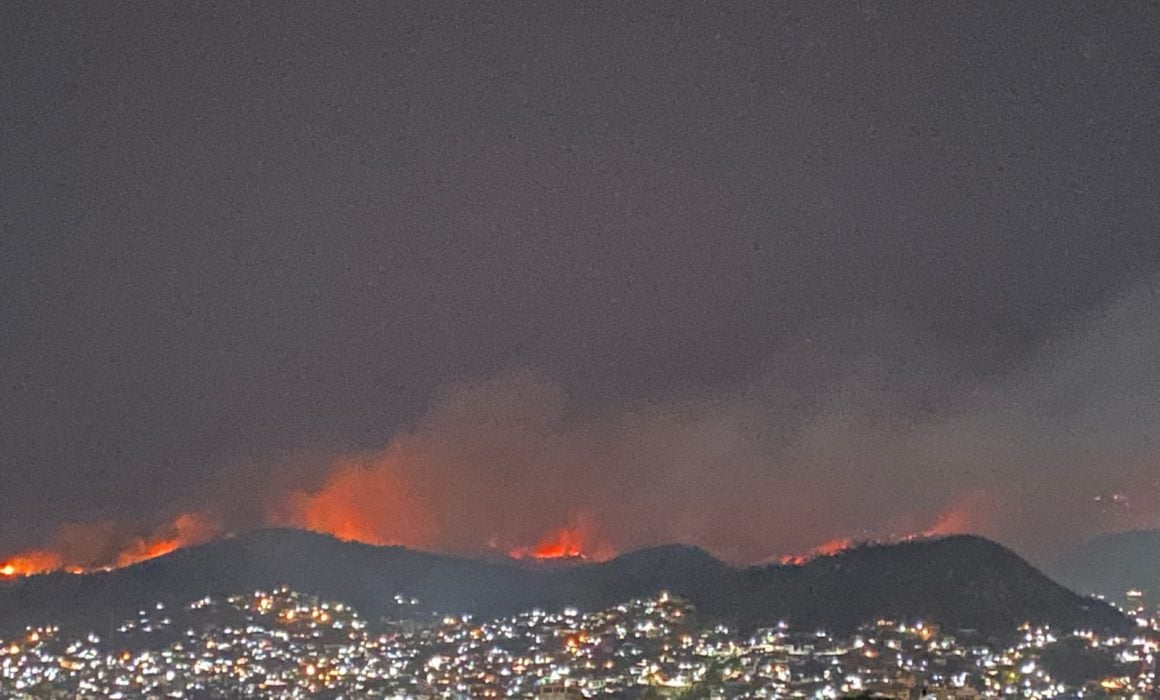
<point>282,644</point>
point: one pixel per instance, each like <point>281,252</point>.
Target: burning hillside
<point>827,548</point>
<point>575,540</point>
<point>364,499</point>
<point>84,547</point>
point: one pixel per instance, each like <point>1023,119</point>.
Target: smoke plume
<point>851,433</point>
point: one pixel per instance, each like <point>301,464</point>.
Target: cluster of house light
<point>285,645</point>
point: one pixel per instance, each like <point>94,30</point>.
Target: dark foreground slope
<point>963,582</point>
<point>1114,563</point>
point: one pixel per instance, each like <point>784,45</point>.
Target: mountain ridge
<point>959,581</point>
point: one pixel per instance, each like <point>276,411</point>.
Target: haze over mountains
<point>963,582</point>
<point>1113,563</point>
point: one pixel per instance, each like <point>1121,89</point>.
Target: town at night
<point>281,644</point>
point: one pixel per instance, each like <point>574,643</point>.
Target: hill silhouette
<point>961,582</point>
<point>1114,563</point>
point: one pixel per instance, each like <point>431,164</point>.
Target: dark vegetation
<point>962,582</point>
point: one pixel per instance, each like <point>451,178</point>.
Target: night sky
<point>750,276</point>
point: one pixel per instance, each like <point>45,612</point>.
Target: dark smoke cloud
<point>751,276</point>
<point>856,432</point>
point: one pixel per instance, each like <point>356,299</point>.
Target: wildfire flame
<point>377,498</point>
<point>363,500</point>
<point>84,547</point>
<point>31,562</point>
<point>561,543</point>
<point>571,541</point>
<point>825,549</point>
<point>186,529</point>
<point>960,517</point>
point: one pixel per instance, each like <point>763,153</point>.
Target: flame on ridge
<point>825,549</point>
<point>365,498</point>
<point>573,540</point>
<point>33,561</point>
<point>100,546</point>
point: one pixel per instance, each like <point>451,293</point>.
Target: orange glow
<point>364,500</point>
<point>972,512</point>
<point>834,546</point>
<point>558,544</point>
<point>955,521</point>
<point>83,547</point>
<point>186,529</point>
<point>29,563</point>
<point>571,541</point>
<point>825,549</point>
